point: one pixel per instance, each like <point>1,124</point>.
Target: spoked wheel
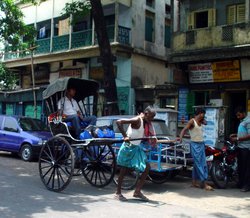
<point>56,164</point>
<point>130,179</point>
<point>218,174</point>
<point>98,164</point>
<point>159,177</point>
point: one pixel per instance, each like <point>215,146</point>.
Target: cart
<point>62,155</point>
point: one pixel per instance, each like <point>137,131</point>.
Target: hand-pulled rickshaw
<point>62,153</point>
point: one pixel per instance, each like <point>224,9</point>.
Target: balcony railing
<point>212,37</point>
<point>78,40</point>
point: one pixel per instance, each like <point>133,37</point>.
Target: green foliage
<point>78,9</point>
<point>12,28</point>
<point>7,79</point>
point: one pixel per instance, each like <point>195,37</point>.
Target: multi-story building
<point>139,33</point>
<point>211,51</point>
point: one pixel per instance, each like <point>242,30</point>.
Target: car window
<point>103,122</point>
<point>10,125</point>
<point>161,128</point>
<point>28,124</point>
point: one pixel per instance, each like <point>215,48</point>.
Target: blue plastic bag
<point>85,135</point>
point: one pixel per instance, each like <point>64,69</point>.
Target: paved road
<point>23,195</point>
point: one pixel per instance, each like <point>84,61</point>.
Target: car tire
<point>26,152</point>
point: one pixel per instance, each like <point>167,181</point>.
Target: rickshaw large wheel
<point>98,164</point>
<point>56,164</point>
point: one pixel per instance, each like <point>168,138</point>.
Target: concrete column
<point>116,21</point>
<point>52,26</point>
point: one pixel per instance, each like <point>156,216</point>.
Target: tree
<point>12,29</point>
<point>80,7</point>
<point>7,79</point>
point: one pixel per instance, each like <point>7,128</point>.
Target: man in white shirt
<point>71,112</point>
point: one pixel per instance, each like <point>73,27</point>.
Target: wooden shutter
<point>190,21</point>
<point>231,14</point>
<point>211,17</point>
<point>241,13</point>
<point>63,27</point>
<point>149,29</point>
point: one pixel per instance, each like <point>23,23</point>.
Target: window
<point>235,14</point>
<point>10,125</point>
<point>167,102</point>
<point>43,29</point>
<point>150,3</point>
<point>149,27</point>
<point>201,19</point>
<point>110,20</point>
<point>80,26</point>
<point>167,33</point>
<point>167,9</point>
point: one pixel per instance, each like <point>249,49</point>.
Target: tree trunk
<point>106,57</point>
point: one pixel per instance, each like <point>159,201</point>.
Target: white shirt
<point>196,133</point>
<point>70,106</point>
<point>136,133</point>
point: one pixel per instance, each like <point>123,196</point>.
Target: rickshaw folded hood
<point>84,87</point>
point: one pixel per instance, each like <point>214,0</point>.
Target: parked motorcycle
<point>222,164</point>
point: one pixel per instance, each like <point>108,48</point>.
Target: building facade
<point>139,33</point>
<point>211,50</point>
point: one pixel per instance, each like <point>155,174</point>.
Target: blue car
<point>23,136</point>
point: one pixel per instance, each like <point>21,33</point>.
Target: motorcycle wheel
<point>218,174</point>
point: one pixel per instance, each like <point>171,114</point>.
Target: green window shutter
<point>231,14</point>
<point>9,109</point>
<point>149,29</point>
<point>190,21</point>
<point>167,36</point>
<point>212,17</point>
<point>241,13</point>
<point>190,102</point>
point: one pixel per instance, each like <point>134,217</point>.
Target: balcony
<point>77,40</point>
<point>211,38</point>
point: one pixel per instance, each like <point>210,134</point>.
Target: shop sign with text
<point>223,71</point>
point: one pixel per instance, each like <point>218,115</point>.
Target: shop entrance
<point>235,99</point>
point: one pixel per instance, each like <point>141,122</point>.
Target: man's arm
<point>133,121</point>
<point>187,127</point>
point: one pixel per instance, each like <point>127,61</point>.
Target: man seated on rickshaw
<point>69,108</point>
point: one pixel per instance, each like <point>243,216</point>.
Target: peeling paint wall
<point>138,27</point>
<point>148,72</point>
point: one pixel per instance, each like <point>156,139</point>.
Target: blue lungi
<point>132,156</point>
<point>200,170</point>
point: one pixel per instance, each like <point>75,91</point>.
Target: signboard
<point>226,71</point>
<point>211,129</point>
<point>223,71</point>
<point>200,73</point>
<point>76,73</point>
<point>182,106</point>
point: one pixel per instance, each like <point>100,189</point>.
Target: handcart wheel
<point>130,179</point>
<point>98,164</point>
<point>158,177</point>
<point>56,164</point>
